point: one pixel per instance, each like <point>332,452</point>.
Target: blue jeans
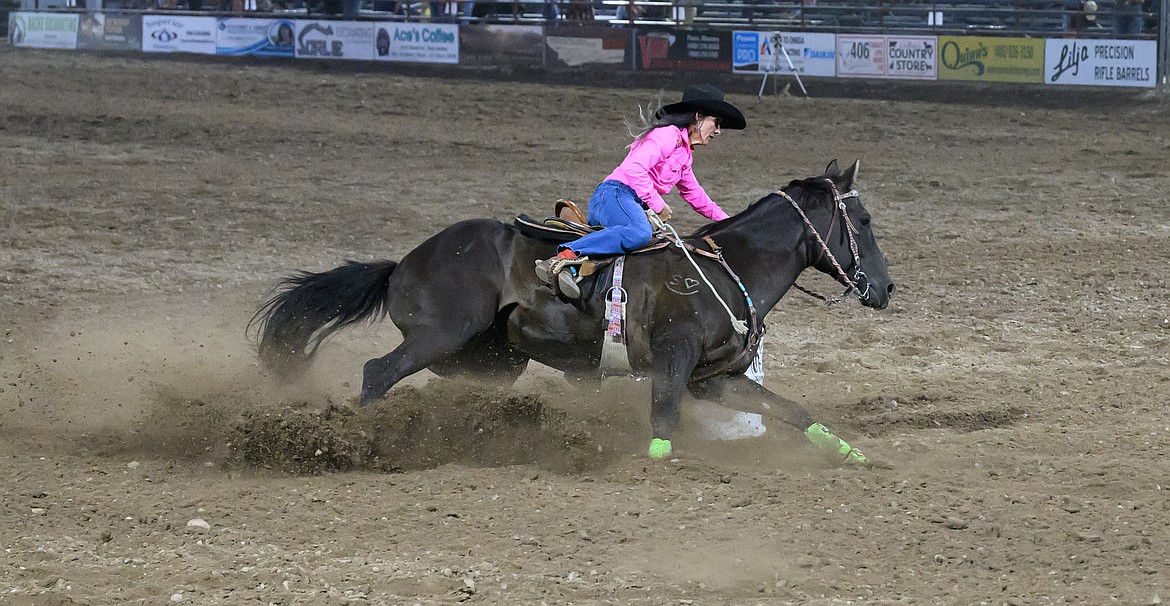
<point>615,206</point>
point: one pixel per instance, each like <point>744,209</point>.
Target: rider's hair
<point>646,120</point>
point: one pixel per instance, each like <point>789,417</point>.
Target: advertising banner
<point>710,50</point>
<point>42,30</point>
<point>764,52</point>
<point>912,57</point>
<point>1101,62</point>
<point>496,44</point>
<point>861,56</point>
<point>905,57</point>
<point>335,40</point>
<point>582,45</point>
<point>115,31</point>
<point>174,34</point>
<point>417,42</point>
<point>267,37</point>
<point>990,59</point>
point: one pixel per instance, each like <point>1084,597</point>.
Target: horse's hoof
<point>659,448</point>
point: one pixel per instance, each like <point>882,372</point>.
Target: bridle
<point>842,276</point>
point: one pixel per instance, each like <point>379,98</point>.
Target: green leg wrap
<point>659,448</point>
<point>833,446</point>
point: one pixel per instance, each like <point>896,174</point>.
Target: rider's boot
<point>563,268</point>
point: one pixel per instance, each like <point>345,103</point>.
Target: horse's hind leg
<point>487,356</point>
<point>443,295</point>
<point>447,353</point>
<point>417,351</point>
<point>742,393</point>
<point>426,341</point>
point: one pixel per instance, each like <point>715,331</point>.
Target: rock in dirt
<point>198,523</point>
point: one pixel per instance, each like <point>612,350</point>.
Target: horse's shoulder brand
<point>682,285</point>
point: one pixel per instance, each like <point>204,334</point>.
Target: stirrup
<point>565,282</point>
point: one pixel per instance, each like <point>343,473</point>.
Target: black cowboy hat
<point>707,100</point>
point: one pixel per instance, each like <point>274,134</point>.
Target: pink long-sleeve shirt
<point>658,162</point>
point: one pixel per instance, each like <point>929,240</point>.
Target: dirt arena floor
<point>1016,387</point>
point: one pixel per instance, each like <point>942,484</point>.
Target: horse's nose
<point>890,290</point>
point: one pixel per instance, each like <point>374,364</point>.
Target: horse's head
<point>840,237</point>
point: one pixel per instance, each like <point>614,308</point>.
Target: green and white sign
<point>42,30</point>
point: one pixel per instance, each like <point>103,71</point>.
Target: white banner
<point>173,34</point>
<point>861,56</point>
<point>417,42</point>
<point>335,40</point>
<point>1100,62</point>
<point>764,52</point>
<point>269,37</point>
<point>912,57</point>
<point>43,30</point>
<point>906,57</point>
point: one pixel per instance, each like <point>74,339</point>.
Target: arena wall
<point>1063,61</point>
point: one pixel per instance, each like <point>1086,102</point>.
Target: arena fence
<point>1011,41</point>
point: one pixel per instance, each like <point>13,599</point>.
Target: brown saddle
<point>567,224</point>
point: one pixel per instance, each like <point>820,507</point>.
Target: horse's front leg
<point>674,360</point>
<point>741,393</point>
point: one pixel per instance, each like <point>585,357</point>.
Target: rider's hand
<point>665,213</point>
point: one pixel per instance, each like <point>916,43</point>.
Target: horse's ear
<point>832,170</point>
<point>846,180</point>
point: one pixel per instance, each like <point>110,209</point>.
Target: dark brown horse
<point>468,301</point>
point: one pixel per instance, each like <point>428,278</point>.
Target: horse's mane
<point>799,189</point>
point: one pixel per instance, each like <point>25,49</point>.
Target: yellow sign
<point>991,59</point>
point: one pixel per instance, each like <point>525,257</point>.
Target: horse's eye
<point>865,221</point>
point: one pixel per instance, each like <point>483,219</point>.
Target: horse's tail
<point>308,307</point>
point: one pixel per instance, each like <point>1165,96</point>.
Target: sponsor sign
<point>110,31</point>
<point>174,34</point>
<point>1101,62</point>
<point>907,57</point>
<point>42,30</point>
<point>912,57</point>
<point>268,37</point>
<point>676,49</point>
<point>861,56</point>
<point>784,53</point>
<point>492,44</point>
<point>577,46</point>
<point>990,59</point>
<point>416,42</point>
<point>334,40</point>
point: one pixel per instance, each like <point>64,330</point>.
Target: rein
<point>842,276</point>
<point>752,326</point>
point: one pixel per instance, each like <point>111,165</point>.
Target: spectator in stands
<point>1128,20</point>
<point>582,10</point>
<point>437,10</point>
<point>660,158</point>
<point>1079,14</point>
<point>551,10</point>
<point>1150,8</point>
<point>641,12</point>
<point>630,11</point>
